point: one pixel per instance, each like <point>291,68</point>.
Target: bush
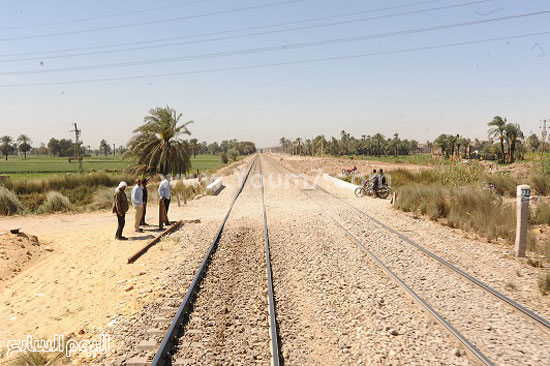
<point>102,199</point>
<point>55,202</point>
<point>467,208</point>
<point>9,203</point>
<point>540,183</point>
<point>504,184</point>
<point>541,215</point>
<point>224,158</point>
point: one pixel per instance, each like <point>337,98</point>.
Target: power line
<point>149,76</point>
<point>152,21</point>
<point>242,35</point>
<point>80,20</point>
<point>277,48</point>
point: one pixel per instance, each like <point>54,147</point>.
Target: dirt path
<point>85,284</point>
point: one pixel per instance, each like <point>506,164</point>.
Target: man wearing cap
<point>137,202</point>
<point>164,193</point>
<point>120,207</point>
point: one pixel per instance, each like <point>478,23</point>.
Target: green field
<point>46,166</point>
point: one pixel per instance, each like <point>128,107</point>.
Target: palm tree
<point>443,143</point>
<point>6,147</point>
<point>24,144</point>
<point>497,131</point>
<point>157,147</point>
<point>194,146</point>
<point>379,142</point>
<point>513,133</point>
<point>298,146</point>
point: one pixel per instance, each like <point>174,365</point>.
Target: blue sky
<point>418,94</point>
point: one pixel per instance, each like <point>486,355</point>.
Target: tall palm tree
<point>497,131</point>
<point>6,145</point>
<point>158,147</point>
<point>513,133</point>
<point>378,140</point>
<point>194,144</point>
<point>24,144</point>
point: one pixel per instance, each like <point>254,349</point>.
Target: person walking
<point>144,182</point>
<point>137,202</point>
<point>164,193</point>
<point>120,207</point>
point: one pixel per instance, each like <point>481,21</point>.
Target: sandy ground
<point>333,166</point>
<point>84,283</point>
<point>334,306</point>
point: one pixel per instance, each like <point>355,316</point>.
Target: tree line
<point>375,145</point>
<point>505,143</point>
<point>228,149</point>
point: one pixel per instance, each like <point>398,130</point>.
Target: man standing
<point>144,182</point>
<point>120,207</point>
<point>164,193</point>
<point>137,202</point>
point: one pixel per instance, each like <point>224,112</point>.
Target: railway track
<point>344,221</point>
<point>184,326</point>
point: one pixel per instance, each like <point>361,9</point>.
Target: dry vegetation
<point>459,196</point>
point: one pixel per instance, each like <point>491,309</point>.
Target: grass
<point>541,215</point>
<point>540,183</point>
<point>466,208</point>
<point>92,190</point>
<point>455,175</point>
<point>40,167</point>
<point>55,202</point>
<point>50,165</point>
<point>206,163</point>
<point>39,359</point>
<point>9,203</point>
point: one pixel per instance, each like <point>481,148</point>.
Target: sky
<point>416,67</point>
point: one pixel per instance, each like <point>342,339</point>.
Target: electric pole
<point>544,133</point>
<point>77,134</point>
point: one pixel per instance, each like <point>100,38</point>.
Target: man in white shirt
<point>137,202</point>
<point>164,193</point>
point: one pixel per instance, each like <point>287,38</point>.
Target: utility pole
<point>114,149</point>
<point>77,134</point>
<point>544,133</point>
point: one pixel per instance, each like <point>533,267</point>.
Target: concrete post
<point>523,196</point>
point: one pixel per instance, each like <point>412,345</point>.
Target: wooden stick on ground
<point>143,250</point>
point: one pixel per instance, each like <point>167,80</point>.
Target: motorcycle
<point>352,171</point>
<point>368,188</point>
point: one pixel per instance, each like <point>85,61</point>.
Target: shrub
<point>541,214</point>
<point>540,183</point>
<point>224,158</point>
<point>102,199</point>
<point>55,202</point>
<point>9,203</point>
<point>504,184</point>
<point>466,208</point>
<point>427,200</point>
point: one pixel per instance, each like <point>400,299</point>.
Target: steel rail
<point>470,348</point>
<point>274,334</point>
<point>164,348</point>
<point>516,306</point>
